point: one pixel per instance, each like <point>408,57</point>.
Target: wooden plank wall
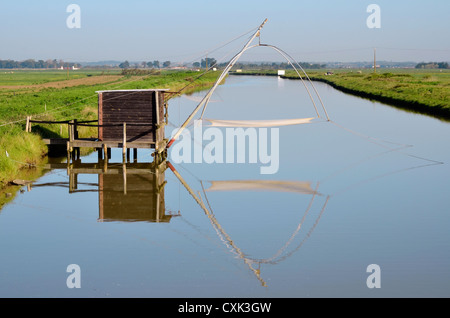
<point>130,107</point>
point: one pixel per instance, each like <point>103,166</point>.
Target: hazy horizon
<point>184,32</point>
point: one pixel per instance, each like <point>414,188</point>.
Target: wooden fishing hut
<point>127,119</point>
<point>133,118</point>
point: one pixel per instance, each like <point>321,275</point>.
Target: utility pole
<point>374,60</point>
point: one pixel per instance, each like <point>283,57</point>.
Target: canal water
<point>352,207</point>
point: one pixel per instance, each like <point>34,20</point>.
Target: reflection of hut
<point>130,191</point>
<point>133,195</point>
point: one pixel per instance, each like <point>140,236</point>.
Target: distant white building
<point>70,68</point>
<point>281,73</point>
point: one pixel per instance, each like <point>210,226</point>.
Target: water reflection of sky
<point>375,205</point>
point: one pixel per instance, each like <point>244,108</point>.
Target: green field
<point>34,77</point>
<point>52,97</point>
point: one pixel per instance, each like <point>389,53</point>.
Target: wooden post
<point>166,113</point>
<point>71,182</point>
<point>75,137</point>
<point>68,153</point>
<point>71,130</point>
<point>28,124</point>
<point>105,152</point>
<point>124,143</point>
<point>105,161</point>
<point>124,167</point>
<point>75,129</point>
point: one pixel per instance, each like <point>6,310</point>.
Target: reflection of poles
<point>216,225</point>
<point>124,172</point>
<point>276,257</point>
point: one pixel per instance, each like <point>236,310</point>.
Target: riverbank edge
<point>416,107</point>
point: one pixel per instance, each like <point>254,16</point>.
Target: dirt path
<point>93,80</point>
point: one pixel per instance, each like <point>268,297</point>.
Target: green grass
<point>33,77</point>
<point>77,102</point>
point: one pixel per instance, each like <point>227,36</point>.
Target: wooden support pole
<point>68,152</point>
<point>28,125</point>
<point>124,143</point>
<point>105,152</point>
<point>71,182</point>
<point>99,154</point>
<point>75,129</point>
<point>71,135</point>
<point>105,156</point>
<point>124,167</point>
<point>105,165</point>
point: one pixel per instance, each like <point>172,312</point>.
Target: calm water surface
<point>370,187</point>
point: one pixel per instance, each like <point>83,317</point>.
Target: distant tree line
<point>205,63</point>
<point>431,65</point>
<point>154,64</point>
<point>30,63</point>
<point>274,66</point>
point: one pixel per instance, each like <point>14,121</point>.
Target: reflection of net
<point>303,187</point>
<point>259,123</point>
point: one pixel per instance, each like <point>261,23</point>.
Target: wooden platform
<point>95,143</point>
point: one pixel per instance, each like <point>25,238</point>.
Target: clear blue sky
<point>180,30</point>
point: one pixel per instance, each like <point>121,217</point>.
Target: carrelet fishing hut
<point>132,118</point>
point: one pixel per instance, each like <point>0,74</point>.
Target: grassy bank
<point>44,96</point>
<point>424,91</point>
